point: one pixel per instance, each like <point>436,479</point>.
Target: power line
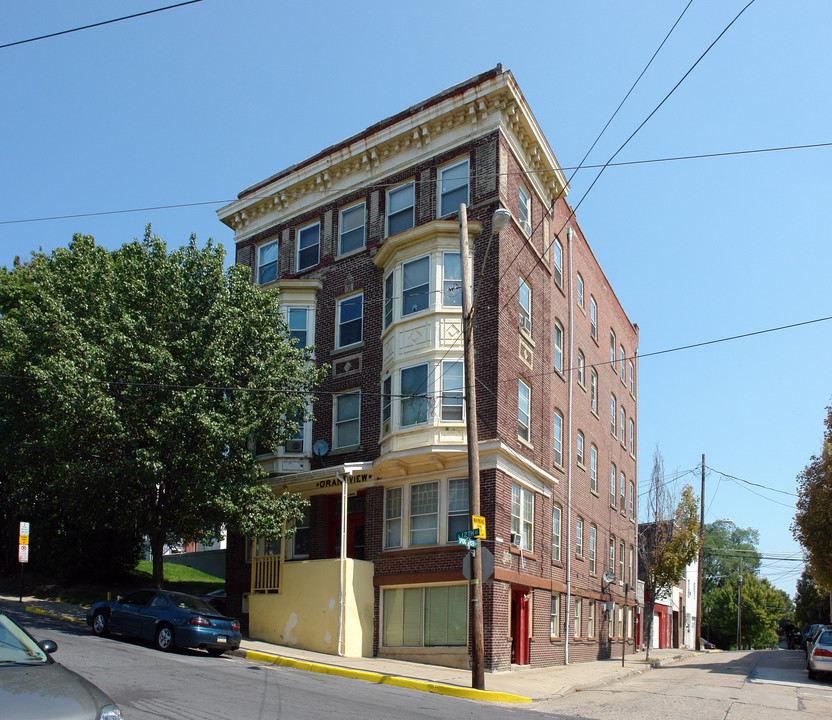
<point>98,24</point>
<point>748,482</point>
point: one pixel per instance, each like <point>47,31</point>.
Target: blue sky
<point>194,104</point>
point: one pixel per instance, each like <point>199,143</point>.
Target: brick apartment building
<point>362,242</point>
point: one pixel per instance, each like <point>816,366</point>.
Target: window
<point>299,541</point>
<point>347,419</point>
<point>424,513</point>
<point>579,448</point>
<point>309,245</point>
<point>388,300</point>
<point>612,414</point>
<point>393,517</point>
<point>579,537</point>
<point>558,346</point>
<point>557,257</point>
<point>632,434</point>
<point>593,318</point>
<point>578,603</point>
<point>620,562</point>
<point>579,290</point>
<point>622,493</point>
<point>457,507</point>
<point>416,285</point>
<point>400,209</point>
<point>593,390</point>
<point>451,279</point>
<point>612,349</point>
<point>632,379</point>
<point>453,187</point>
<point>267,263</point>
<point>425,616</point>
<point>297,319</point>
<point>593,469</point>
<point>524,393</point>
<point>522,515</point>
<point>296,419</point>
<point>525,210</point>
<point>555,615</point>
<point>558,427</point>
<point>612,553</point>
<point>621,368</point>
<point>632,500</point>
<point>581,367</point>
<point>556,515</point>
<point>593,535</point>
<point>630,574</point>
<point>590,620</point>
<point>452,388</point>
<point>386,403</point>
<point>622,420</point>
<point>350,319</point>
<point>352,229</point>
<point>525,298</point>
<point>414,402</point>
<point>613,478</point>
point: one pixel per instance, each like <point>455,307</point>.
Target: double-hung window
<point>632,500</point>
<point>622,421</point>
<point>350,319</point>
<point>620,562</point>
<point>579,537</point>
<point>347,419</point>
<point>593,536</point>
<point>579,290</point>
<point>298,544</point>
<point>400,201</point>
<point>557,258</point>
<point>524,404</point>
<point>452,390</point>
<point>386,403</point>
<point>309,246</point>
<point>525,298</point>
<point>612,553</point>
<point>558,347</point>
<point>267,263</point>
<point>453,187</point>
<point>578,602</point>
<point>593,468</point>
<point>524,215</point>
<point>388,300</point>
<point>457,507</point>
<point>593,318</point>
<point>298,321</point>
<point>581,369</point>
<point>632,438</point>
<point>414,402</point>
<point>621,368</point>
<point>424,513</point>
<point>558,437</point>
<point>555,615</point>
<point>590,620</point>
<point>415,285</point>
<point>579,448</point>
<point>632,379</point>
<point>622,493</point>
<point>613,478</point>
<point>522,515</point>
<point>393,517</point>
<point>593,390</point>
<point>613,417</point>
<point>351,229</point>
<point>612,348</point>
<point>451,280</point>
<point>556,515</point>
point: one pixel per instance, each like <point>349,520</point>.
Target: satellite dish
<point>608,576</point>
<point>320,448</point>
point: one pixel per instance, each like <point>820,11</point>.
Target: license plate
<point>222,639</point>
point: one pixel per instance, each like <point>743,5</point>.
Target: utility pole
<point>701,558</point>
<point>739,608</point>
<point>476,614</point>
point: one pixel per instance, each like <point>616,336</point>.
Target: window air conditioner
<point>516,539</point>
<point>294,446</point>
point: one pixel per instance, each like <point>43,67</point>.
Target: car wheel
<point>100,623</point>
<point>215,652</point>
<point>812,673</point>
<point>164,638</point>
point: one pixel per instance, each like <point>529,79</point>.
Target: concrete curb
<point>393,680</point>
<point>40,611</point>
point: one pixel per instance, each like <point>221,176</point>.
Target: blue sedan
<point>168,619</point>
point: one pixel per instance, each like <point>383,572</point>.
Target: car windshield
<point>17,647</point>
<point>189,602</point>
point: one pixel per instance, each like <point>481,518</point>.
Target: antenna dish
<point>320,448</point>
<point>608,576</point>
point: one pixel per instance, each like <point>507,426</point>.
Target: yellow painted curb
<point>423,685</point>
<point>39,611</point>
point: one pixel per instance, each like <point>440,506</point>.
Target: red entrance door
<point>520,626</point>
<point>355,527</point>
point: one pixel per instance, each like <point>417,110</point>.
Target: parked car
<point>168,619</point>
<point>808,632</point>
<point>217,599</point>
<point>35,687</point>
<point>812,639</point>
<point>705,645</point>
<point>819,658</point>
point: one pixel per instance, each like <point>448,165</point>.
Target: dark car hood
<point>47,692</point>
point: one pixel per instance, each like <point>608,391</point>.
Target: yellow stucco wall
<point>304,614</point>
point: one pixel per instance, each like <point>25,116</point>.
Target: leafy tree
<point>669,542</point>
<point>133,382</point>
<point>812,603</point>
<point>725,546</point>
<point>812,526</point>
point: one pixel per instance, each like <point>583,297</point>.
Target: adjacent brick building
<point>362,241</point>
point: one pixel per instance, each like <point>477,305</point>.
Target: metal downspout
<point>342,572</point>
<point>569,456</point>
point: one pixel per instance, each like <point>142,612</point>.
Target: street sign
<point>468,533</point>
<point>23,546</point>
<point>487,559</point>
<point>23,553</point>
<point>469,542</point>
<point>479,523</point>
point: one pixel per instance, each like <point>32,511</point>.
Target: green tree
<point>812,526</point>
<point>762,608</point>
<point>812,603</point>
<point>669,542</point>
<point>133,384</point>
<point>726,545</point>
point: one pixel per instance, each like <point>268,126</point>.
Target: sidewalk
<point>518,686</point>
